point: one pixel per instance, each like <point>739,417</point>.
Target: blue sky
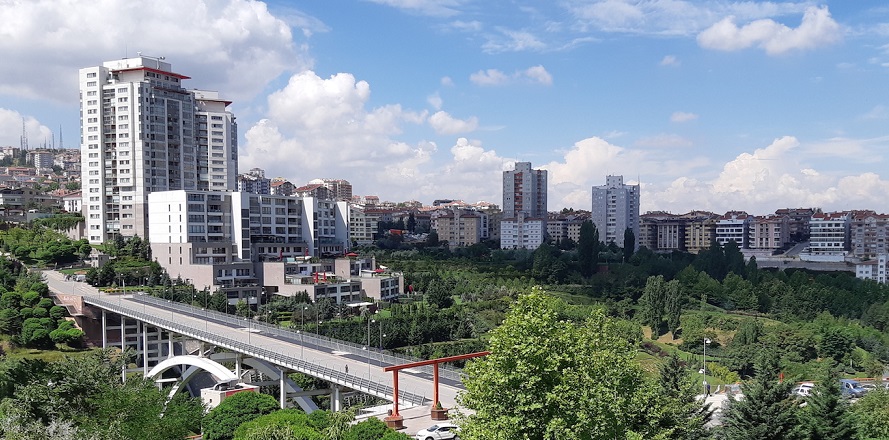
<point>711,104</point>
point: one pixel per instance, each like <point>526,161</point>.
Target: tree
<point>687,415</point>
<point>767,411</point>
<point>549,378</point>
<point>826,415</point>
<point>439,293</point>
<point>588,248</point>
<point>282,424</point>
<point>411,223</point>
<point>629,244</point>
<point>221,422</point>
<point>871,415</point>
<point>652,304</point>
<point>432,239</point>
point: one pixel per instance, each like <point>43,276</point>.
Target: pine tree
<point>767,411</point>
<point>826,415</point>
<point>684,413</point>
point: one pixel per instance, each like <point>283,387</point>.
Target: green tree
<point>284,424</point>
<point>370,429</point>
<point>673,306</point>
<point>767,411</point>
<point>652,304</point>
<point>588,248</point>
<point>222,421</point>
<point>826,415</point>
<point>432,239</point>
<point>686,415</point>
<point>871,415</point>
<point>549,378</point>
<point>411,223</point>
<point>439,293</point>
<point>629,244</point>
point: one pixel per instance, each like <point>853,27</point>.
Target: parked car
<point>441,431</point>
<point>868,387</point>
<point>804,389</point>
<point>851,388</point>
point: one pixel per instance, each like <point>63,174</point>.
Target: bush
<point>222,421</point>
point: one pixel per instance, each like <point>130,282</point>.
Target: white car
<point>441,431</point>
<point>804,389</point>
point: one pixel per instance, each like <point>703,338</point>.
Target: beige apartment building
<point>458,229</point>
<point>769,232</point>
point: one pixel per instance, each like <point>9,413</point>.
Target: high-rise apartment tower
<point>142,132</point>
<point>524,191</point>
<point>616,209</point>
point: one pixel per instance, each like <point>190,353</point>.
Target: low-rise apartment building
<point>829,233</point>
<point>769,232</point>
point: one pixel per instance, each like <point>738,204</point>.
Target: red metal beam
<point>437,361</point>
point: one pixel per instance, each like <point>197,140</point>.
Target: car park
<point>441,431</point>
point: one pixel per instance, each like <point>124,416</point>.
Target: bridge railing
<point>386,357</point>
<point>366,385</point>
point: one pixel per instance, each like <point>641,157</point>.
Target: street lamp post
<point>706,341</point>
<point>302,321</point>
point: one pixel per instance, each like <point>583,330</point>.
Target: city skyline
<point>751,106</point>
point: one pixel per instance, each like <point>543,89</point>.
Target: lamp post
<point>302,321</point>
<point>369,321</point>
<point>706,341</point>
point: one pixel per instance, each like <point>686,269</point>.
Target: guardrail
<point>386,357</point>
<point>358,383</point>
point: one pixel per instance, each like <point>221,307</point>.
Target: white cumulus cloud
<point>817,29</point>
<point>444,123</point>
<point>11,130</point>
<point>234,46</point>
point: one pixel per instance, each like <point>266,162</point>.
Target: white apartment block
<point>829,233</point>
<point>217,142</point>
<point>217,239</point>
<point>41,159</point>
<point>522,232</point>
<point>873,269</point>
<point>362,228</point>
<point>769,232</point>
<point>734,226</point>
<point>255,182</point>
<point>143,132</point>
<point>616,209</point>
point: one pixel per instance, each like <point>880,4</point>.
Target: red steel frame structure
<point>395,420</point>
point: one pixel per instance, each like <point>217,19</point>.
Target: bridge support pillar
<point>238,365</point>
<point>283,391</point>
<point>336,398</point>
<point>104,330</point>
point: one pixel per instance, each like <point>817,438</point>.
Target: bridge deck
<point>335,361</point>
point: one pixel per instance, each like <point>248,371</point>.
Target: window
<point>91,84</point>
<point>91,75</point>
<point>91,93</point>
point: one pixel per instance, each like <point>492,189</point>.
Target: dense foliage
<point>84,398</point>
